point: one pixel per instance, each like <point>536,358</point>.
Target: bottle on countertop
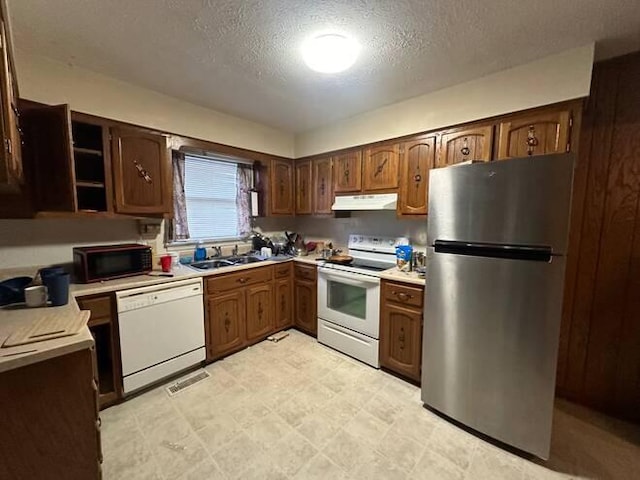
<point>200,252</point>
<point>404,252</point>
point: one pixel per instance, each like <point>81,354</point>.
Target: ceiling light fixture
<point>330,52</point>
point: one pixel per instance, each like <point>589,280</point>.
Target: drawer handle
<point>242,280</point>
<point>402,295</point>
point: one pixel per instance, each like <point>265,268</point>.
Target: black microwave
<point>106,262</point>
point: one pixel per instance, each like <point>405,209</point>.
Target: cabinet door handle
<point>282,303</point>
<point>142,172</point>
<point>346,174</point>
<point>401,338</point>
<point>417,178</point>
<point>322,187</point>
<point>465,150</point>
<point>380,167</point>
<point>242,280</point>
<point>532,140</point>
<point>260,311</point>
<point>227,322</point>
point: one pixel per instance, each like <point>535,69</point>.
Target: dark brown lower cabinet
<point>260,321</point>
<point>305,294</point>
<point>239,310</point>
<point>283,299</point>
<point>226,323</point>
<point>401,329</point>
<point>49,417</point>
<point>103,325</point>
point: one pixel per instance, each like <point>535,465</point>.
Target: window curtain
<point>244,177</point>
<point>180,223</point>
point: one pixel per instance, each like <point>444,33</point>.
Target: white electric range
<point>349,298</point>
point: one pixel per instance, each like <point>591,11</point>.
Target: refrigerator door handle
<point>495,250</point>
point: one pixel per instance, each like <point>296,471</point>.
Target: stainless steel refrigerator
<point>497,235</point>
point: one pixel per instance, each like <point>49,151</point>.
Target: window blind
<point>210,192</point>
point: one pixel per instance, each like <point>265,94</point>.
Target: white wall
<point>41,242</point>
<point>48,81</point>
<point>560,77</point>
<point>25,243</point>
<point>382,223</point>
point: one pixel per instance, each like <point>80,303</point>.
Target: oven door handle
<point>351,279</point>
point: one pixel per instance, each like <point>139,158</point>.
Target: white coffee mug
<point>266,252</point>
<point>35,296</point>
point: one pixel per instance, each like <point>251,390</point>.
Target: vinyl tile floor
<point>296,409</point>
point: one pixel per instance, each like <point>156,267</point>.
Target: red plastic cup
<point>165,262</point>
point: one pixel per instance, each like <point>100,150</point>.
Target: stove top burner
<point>367,266</point>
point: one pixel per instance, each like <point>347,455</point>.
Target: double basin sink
<point>224,262</point>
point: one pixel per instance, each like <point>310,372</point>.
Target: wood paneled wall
<point>599,361</point>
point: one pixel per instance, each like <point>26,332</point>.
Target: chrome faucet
<point>234,252</point>
<point>217,252</point>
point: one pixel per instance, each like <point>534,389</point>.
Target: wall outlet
<point>149,228</point>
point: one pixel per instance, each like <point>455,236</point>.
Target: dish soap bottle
<point>200,254</point>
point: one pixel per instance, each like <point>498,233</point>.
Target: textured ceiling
<point>242,56</point>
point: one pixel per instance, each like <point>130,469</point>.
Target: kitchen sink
<point>225,262</point>
<point>211,264</point>
<point>244,260</point>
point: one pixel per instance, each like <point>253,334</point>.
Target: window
<point>214,192</point>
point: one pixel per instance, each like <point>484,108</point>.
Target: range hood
<point>383,201</point>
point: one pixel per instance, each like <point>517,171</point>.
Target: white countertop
<point>10,319</point>
<point>22,355</point>
<point>406,277</point>
<point>13,318</point>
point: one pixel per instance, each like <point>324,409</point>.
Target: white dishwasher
<point>161,331</point>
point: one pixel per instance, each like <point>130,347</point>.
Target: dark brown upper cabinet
<point>540,133</point>
<point>347,172</point>
<point>322,185</point>
<point>68,160</point>
<point>142,172</point>
<point>464,144</point>
<point>281,188</point>
<point>304,189</point>
<point>49,153</point>
<point>11,168</point>
<point>380,167</point>
<point>417,158</point>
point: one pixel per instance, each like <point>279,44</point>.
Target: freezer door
<point>490,344</point>
<point>522,201</point>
